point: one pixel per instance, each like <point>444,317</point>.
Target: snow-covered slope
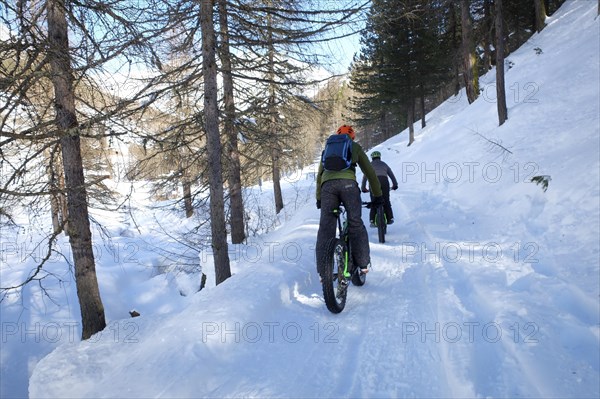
<point>487,286</point>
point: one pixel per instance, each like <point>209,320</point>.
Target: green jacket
<point>358,157</point>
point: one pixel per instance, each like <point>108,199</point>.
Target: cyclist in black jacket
<point>383,171</point>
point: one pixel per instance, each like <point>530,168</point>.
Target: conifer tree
<point>470,75</point>
<point>540,15</point>
<point>236,220</point>
<point>500,86</point>
<point>274,42</point>
<point>404,58</point>
<point>213,146</point>
<point>80,235</point>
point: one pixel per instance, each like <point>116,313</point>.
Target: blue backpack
<point>337,154</point>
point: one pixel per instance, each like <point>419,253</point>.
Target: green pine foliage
<point>405,54</point>
<point>411,54</point>
<point>542,180</point>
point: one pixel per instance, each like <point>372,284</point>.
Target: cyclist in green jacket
<point>335,187</point>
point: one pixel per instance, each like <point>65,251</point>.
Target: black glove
<point>394,187</point>
<point>377,201</point>
<point>318,204</point>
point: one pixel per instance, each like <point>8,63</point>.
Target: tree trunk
<point>276,180</point>
<point>469,58</point>
<point>275,171</point>
<point>366,137</point>
<point>383,127</point>
<point>80,236</point>
<point>422,98</point>
<point>54,208</point>
<point>273,125</point>
<point>54,191</point>
<point>187,197</point>
<point>62,202</point>
<point>488,38</point>
<point>454,32</point>
<point>60,198</point>
<point>410,121</point>
<point>540,15</point>
<point>500,87</point>
<point>213,147</point>
<point>234,178</point>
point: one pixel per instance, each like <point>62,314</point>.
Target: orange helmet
<point>346,129</point>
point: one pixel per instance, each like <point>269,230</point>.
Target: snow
<point>487,286</point>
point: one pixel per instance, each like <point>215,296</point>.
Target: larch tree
<point>272,125</point>
<point>213,144</point>
<point>58,115</point>
<point>274,56</point>
<point>234,179</point>
<point>80,235</point>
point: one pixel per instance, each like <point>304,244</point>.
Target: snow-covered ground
<point>487,286</point>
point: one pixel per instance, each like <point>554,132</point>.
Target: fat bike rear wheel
<point>335,285</point>
<point>381,224</point>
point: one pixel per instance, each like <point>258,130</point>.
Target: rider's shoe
<point>372,224</point>
<point>391,221</point>
<point>364,269</point>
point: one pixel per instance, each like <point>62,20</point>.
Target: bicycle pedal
<point>342,288</point>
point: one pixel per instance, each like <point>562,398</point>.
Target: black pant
<point>387,205</point>
<point>346,191</point>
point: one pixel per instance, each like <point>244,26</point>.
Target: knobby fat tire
<point>381,225</point>
<point>331,266</point>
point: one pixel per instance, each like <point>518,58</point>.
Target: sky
<point>341,50</point>
<point>487,285</point>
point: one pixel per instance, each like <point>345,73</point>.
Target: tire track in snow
<point>382,350</point>
<point>396,337</point>
<point>369,356</point>
<point>435,312</point>
<point>472,298</point>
